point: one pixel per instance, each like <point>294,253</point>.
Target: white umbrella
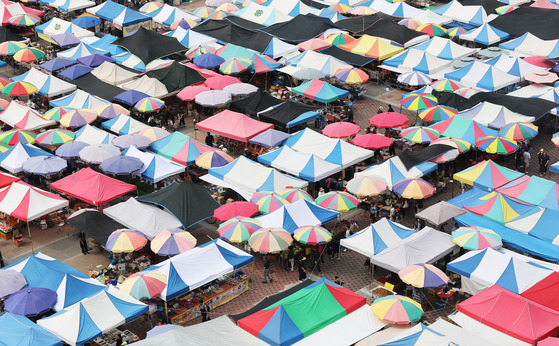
<point>414,78</point>
<point>98,153</point>
<point>240,89</point>
<point>44,165</point>
<point>213,98</point>
<point>308,74</point>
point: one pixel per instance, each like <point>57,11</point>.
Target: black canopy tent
<point>359,24</point>
<point>287,112</point>
<point>488,5</point>
<point>8,35</point>
<point>254,103</point>
<point>95,224</point>
<point>244,23</point>
<point>543,23</point>
<point>149,45</point>
<point>348,57</point>
<point>384,28</point>
<point>176,76</point>
<point>413,158</point>
<point>188,202</point>
<point>97,87</point>
<point>227,32</point>
<point>301,28</point>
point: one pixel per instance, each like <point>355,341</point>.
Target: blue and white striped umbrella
<point>414,78</point>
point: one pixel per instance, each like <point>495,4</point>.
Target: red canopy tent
<point>511,314</point>
<point>92,187</point>
<point>6,179</point>
<point>233,125</point>
<point>9,9</point>
<point>545,292</point>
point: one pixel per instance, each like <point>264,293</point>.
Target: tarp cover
<point>347,57</point>
<point>188,202</point>
<point>92,187</point>
<point>95,224</point>
<point>543,23</point>
<point>254,103</point>
<point>149,45</point>
<point>176,76</point>
<point>8,35</point>
<point>413,158</point>
<point>383,28</point>
<point>283,114</point>
<point>97,87</point>
<point>300,28</point>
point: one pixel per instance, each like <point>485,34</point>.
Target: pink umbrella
<point>189,93</point>
<point>220,82</point>
<point>541,76</point>
<point>540,61</point>
<point>372,141</point>
<point>388,120</point>
<point>341,130</point>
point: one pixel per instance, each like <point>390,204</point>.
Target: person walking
<point>267,271</point>
<point>544,163</point>
<point>526,155</point>
<point>83,243</point>
<point>316,257</point>
<point>540,157</point>
<point>301,269</point>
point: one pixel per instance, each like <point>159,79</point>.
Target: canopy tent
<point>539,223</point>
<point>147,219</point>
<point>512,65</point>
<point>118,14</point>
<point>167,15</point>
<point>440,213</point>
<point>487,175</point>
<point>149,45</point>
<point>69,5</point>
<point>430,17</point>
<point>494,116</point>
<point>533,190</point>
<point>332,150</point>
<point>184,273</point>
<point>474,15</point>
<point>318,61</point>
<point>217,331</point>
<point>92,135</point>
<point>540,22</point>
<point>131,61</point>
<point>444,48</point>
<point>481,75</point>
<point>376,237</point>
<point>190,38</point>
<point>233,125</point>
<point>383,27</point>
<point>425,246</point>
<point>79,99</point>
<point>485,34</point>
<point>97,87</point>
<point>301,28</point>
<point>95,224</point>
<point>511,314</point>
<point>320,91</point>
<point>347,57</point>
<point>489,267</point>
<point>155,168</point>
<point>70,284</point>
<point>463,128</point>
<point>8,35</point>
<point>416,60</point>
<point>290,7</point>
<point>75,71</point>
<point>9,9</point>
<point>306,166</point>
<point>12,160</point>
<point>20,116</point>
<point>545,292</point>
<point>262,15</point>
<point>80,51</point>
<point>472,327</point>
<point>297,214</point>
<point>498,208</point>
<point>289,114</point>
<point>270,138</point>
<point>396,9</point>
<point>112,73</point>
<point>92,187</point>
<point>372,46</point>
<point>188,202</point>
<point>418,335</point>
<point>7,179</point>
<point>91,317</point>
<point>179,148</point>
<point>148,86</point>
<point>302,313</point>
<point>461,336</point>
<point>531,45</point>
<point>19,330</point>
<point>393,170</point>
<point>176,76</point>
<point>123,125</point>
<point>46,84</point>
<point>246,177</point>
<point>255,103</point>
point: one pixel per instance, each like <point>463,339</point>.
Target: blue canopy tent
<point>57,64</point>
<point>104,43</point>
<point>19,330</point>
<point>118,14</point>
<point>538,222</point>
<point>393,170</point>
<point>485,34</point>
<point>87,21</point>
<point>80,51</point>
<point>270,138</point>
<point>130,97</point>
<point>75,71</point>
<point>79,99</point>
<point>297,214</point>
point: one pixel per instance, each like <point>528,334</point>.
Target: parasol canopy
<point>98,153</point>
<point>372,141</point>
<point>420,134</point>
<point>213,159</point>
<point>337,200</point>
<point>397,309</point>
<point>30,301</point>
<point>125,240</point>
<point>270,240</point>
<point>11,281</point>
<point>55,137</point>
<point>172,242</point>
<point>341,129</point>
<point>437,113</point>
<point>19,89</point>
<point>366,186</point>
<point>388,120</point>
<point>414,78</point>
<point>144,285</point>
<point>519,131</point>
<point>149,104</point>
<point>476,238</point>
<point>121,165</point>
<point>497,145</point>
<point>238,229</point>
<point>423,276</point>
<point>312,235</point>
<point>268,201</point>
<point>293,194</point>
<point>413,188</point>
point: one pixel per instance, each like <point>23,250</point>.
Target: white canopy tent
<point>147,85</point>
<point>70,5</point>
<point>471,14</point>
<point>124,125</point>
<point>393,170</point>
<point>22,117</point>
<point>494,116</point>
<point>155,168</point>
<point>144,218</point>
<point>28,203</point>
<point>396,9</point>
<point>12,160</point>
<point>415,60</point>
<point>318,61</point>
<point>92,135</point>
<point>79,99</point>
<point>485,76</point>
<point>291,7</point>
<point>190,38</point>
<point>460,336</point>
<point>531,45</point>
<point>430,17</point>
<point>47,84</point>
<point>425,246</point>
<point>57,26</point>
<point>262,15</point>
<point>168,15</point>
<point>444,48</point>
<point>112,73</point>
<point>297,214</point>
<point>512,65</point>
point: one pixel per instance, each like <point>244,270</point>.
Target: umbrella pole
<point>166,313</point>
<point>30,240</point>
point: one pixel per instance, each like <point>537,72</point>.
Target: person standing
<point>390,109</point>
<point>291,258</point>
<point>527,158</point>
<point>544,163</point>
<point>204,310</point>
<point>209,140</point>
<point>316,258</point>
<point>83,243</point>
<point>118,340</point>
<point>301,269</point>
<point>267,271</point>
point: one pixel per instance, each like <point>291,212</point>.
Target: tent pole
<point>166,313</point>
<point>30,240</point>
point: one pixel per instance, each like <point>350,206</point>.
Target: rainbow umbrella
<point>505,9</point>
<point>267,240</point>
<point>24,20</point>
<point>235,66</point>
<point>78,118</point>
<point>337,200</point>
<point>446,85</point>
<point>268,201</point>
<point>218,15</point>
<point>388,120</point>
<point>361,11</point>
<point>199,50</point>
<point>340,8</point>
<point>154,133</point>
<point>476,238</point>
<point>213,159</point>
<point>455,32</point>
<point>55,137</point>
<point>227,7</point>
<point>150,7</point>
<point>341,129</point>
<point>437,113</point>
<point>203,12</point>
<point>496,145</point>
<point>420,134</point>
<point>418,102</point>
<point>125,240</point>
<point>149,104</point>
<point>4,147</point>
<point>3,83</point>
<point>519,131</point>
<point>423,276</point>
<point>410,23</point>
<point>144,285</point>
<point>351,75</point>
<point>461,145</point>
<point>555,139</point>
<point>397,309</point>
<point>184,23</point>
<point>413,188</point>
<point>340,38</point>
<point>372,141</point>
<point>13,137</point>
<point>238,229</point>
<point>293,194</point>
<point>19,89</point>
<point>312,235</point>
<point>57,112</point>
<point>366,186</point>
<point>172,242</point>
<point>467,92</point>
<point>29,55</point>
<point>11,47</point>
<point>432,29</point>
<point>111,110</point>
